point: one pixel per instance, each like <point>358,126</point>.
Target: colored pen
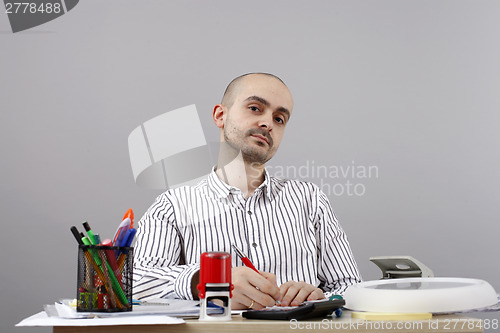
<point>93,251</point>
<point>130,215</point>
<point>108,273</point>
<point>126,224</point>
<point>244,258</point>
<point>78,237</point>
<point>89,232</point>
<point>110,255</point>
<point>121,231</point>
<point>123,255</point>
<point>127,241</point>
<point>249,264</point>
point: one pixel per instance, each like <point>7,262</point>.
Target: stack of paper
<point>159,311</point>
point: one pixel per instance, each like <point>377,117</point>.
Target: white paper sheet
<point>41,319</point>
<point>169,307</point>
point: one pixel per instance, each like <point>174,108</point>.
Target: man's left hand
<point>294,293</point>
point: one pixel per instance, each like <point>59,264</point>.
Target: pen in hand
<point>248,263</point>
<point>244,258</point>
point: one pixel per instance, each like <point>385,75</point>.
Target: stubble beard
<point>250,154</point>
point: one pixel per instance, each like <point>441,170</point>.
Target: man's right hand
<point>252,289</point>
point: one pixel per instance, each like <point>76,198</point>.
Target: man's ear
<point>219,115</point>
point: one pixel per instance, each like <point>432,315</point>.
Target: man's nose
<point>266,122</point>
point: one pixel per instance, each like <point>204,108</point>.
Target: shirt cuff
<point>182,285</point>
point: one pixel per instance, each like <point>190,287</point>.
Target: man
<point>286,227</point>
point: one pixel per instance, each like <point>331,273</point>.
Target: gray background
<point>411,87</point>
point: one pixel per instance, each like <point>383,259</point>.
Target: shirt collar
<point>222,190</point>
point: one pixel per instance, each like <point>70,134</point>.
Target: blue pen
<point>123,254</point>
<point>130,237</point>
<point>127,240</point>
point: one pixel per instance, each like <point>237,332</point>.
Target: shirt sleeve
<point>337,268</point>
<point>157,253</point>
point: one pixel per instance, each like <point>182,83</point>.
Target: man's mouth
<point>261,138</point>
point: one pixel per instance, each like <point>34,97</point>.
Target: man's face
<point>256,120</point>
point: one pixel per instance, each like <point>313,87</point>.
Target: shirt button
<point>254,245</point>
<point>249,212</point>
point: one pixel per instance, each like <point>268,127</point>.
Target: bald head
<point>235,85</point>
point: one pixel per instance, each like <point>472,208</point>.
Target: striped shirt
<point>285,227</point>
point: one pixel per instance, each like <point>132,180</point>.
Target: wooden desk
<point>439,324</point>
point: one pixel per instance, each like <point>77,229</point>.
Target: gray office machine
<point>396,267</point>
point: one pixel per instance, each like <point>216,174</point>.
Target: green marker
<point>89,232</point>
<point>114,281</point>
<point>86,241</point>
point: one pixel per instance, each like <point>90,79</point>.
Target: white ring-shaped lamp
<point>436,295</point>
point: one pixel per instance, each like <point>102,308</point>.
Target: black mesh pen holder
<point>104,281</point>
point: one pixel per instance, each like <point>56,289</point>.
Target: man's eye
<point>254,108</point>
<point>279,120</point>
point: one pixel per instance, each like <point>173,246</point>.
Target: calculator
<point>307,310</point>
